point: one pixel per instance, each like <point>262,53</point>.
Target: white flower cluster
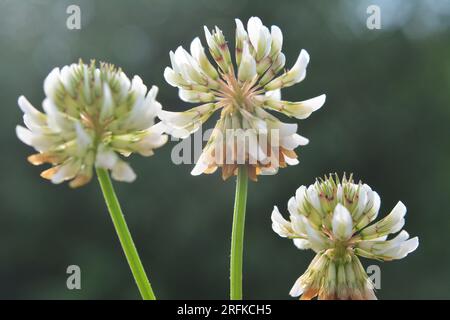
<point>334,218</point>
<point>90,116</point>
<point>244,97</point>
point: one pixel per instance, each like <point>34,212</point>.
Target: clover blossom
<point>333,218</point>
<point>91,115</point>
<point>244,91</point>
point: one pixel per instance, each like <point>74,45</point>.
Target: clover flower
<point>90,116</point>
<point>333,219</point>
<point>246,132</point>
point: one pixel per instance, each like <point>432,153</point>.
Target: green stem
<point>237,234</point>
<point>125,236</point>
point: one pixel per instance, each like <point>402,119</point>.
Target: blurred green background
<point>386,119</point>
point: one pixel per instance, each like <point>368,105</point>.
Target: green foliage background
<point>386,119</point>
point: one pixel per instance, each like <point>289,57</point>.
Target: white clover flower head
<point>244,91</point>
<point>333,218</point>
<point>91,115</point>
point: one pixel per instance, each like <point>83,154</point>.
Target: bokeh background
<point>386,119</point>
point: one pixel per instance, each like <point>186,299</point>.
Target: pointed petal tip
<point>275,212</point>
<point>400,209</point>
<point>24,135</point>
<point>21,100</point>
<point>25,105</point>
<point>199,168</point>
<point>297,289</point>
<point>304,54</point>
<point>254,19</point>
<point>414,244</point>
<point>321,100</point>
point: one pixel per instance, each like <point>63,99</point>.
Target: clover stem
<point>124,235</point>
<point>237,235</point>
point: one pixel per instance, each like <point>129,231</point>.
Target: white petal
<point>292,206</point>
<point>297,289</point>
<point>285,129</point>
<point>51,83</point>
<point>209,39</point>
<point>57,121</point>
<point>172,78</point>
<point>313,198</point>
<point>383,238</point>
<point>268,171</point>
<point>66,172</point>
<point>407,247</point>
<point>311,105</point>
<point>254,26</point>
<point>274,94</point>
<point>84,140</point>
<point>342,223</point>
<point>302,244</point>
<point>123,172</point>
<point>376,203</point>
<point>396,248</point>
<point>392,223</point>
<point>87,93</point>
<point>184,123</point>
<point>66,77</point>
<point>138,86</point>
<point>108,102</point>
<point>150,142</point>
<point>317,241</point>
<point>401,237</point>
<point>240,30</point>
<point>398,212</point>
<point>298,71</point>
<point>362,202</point>
<point>125,84</point>
<point>291,161</point>
<point>200,166</point>
<point>264,43</point>
<point>106,158</point>
<point>254,122</point>
<point>299,110</point>
<point>173,62</point>
<point>292,142</point>
<point>195,96</point>
<point>196,49</point>
<point>247,67</point>
<point>279,224</point>
<point>27,108</point>
<point>277,39</point>
<point>298,224</point>
<point>300,195</point>
<point>252,147</point>
<point>25,135</point>
<point>370,212</point>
